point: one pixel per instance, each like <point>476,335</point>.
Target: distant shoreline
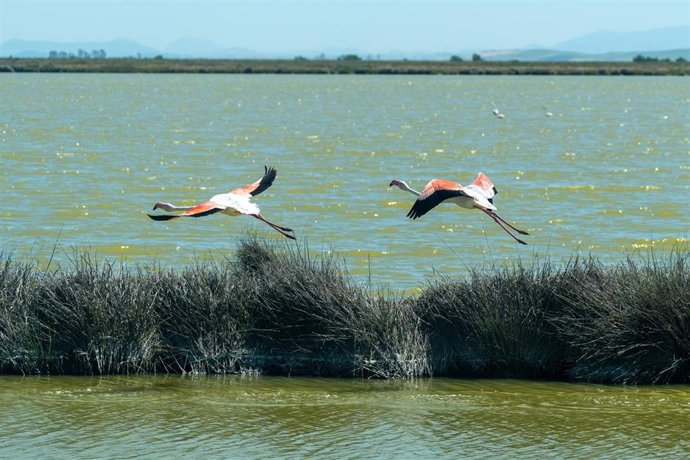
<point>363,67</point>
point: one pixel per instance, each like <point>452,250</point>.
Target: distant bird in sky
<point>478,195</point>
<point>234,203</point>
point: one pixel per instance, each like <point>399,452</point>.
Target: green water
<point>85,156</point>
<point>243,417</point>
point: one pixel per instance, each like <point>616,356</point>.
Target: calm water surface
<point>85,156</point>
<point>240,417</point>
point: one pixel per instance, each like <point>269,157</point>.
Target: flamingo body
<point>478,195</point>
<point>234,203</point>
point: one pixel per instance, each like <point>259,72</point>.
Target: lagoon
<point>84,157</point>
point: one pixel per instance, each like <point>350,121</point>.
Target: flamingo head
<point>399,183</point>
<point>163,206</point>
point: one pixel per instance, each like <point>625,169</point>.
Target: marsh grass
<point>283,309</point>
<point>629,323</point>
<point>98,318</point>
<point>21,347</point>
<point>495,322</point>
<point>309,314</point>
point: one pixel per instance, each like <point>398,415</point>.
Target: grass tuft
<point>494,323</point>
<point>21,347</point>
<point>630,323</point>
<point>98,318</point>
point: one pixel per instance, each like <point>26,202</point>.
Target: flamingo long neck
<point>410,189</point>
<point>171,207</point>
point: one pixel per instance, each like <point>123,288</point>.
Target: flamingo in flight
<point>233,203</point>
<point>478,195</point>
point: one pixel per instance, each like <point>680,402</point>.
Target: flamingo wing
<point>435,192</point>
<point>482,191</point>
<point>483,183</point>
<point>203,209</point>
<point>257,186</point>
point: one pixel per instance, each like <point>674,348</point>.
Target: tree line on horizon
<point>641,58</point>
<point>476,57</point>
<point>81,54</point>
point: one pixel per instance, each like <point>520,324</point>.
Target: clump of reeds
<point>98,318</point>
<point>283,309</point>
<point>494,322</point>
<point>630,322</point>
<point>308,316</point>
<point>202,318</point>
<point>20,330</point>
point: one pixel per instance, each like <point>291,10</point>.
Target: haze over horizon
<point>289,26</point>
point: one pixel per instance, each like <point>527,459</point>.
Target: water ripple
<point>260,417</point>
<point>607,167</point>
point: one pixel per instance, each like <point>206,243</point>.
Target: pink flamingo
<point>234,203</point>
<point>478,195</point>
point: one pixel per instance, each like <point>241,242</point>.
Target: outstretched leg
<point>280,229</point>
<point>494,217</point>
<point>495,214</point>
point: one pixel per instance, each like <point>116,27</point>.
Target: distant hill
<point>667,38</point>
<point>37,48</point>
<point>549,55</point>
<point>665,43</point>
<point>189,47</point>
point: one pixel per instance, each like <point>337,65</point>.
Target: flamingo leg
<point>490,214</point>
<point>280,229</point>
<point>285,229</point>
<point>521,232</point>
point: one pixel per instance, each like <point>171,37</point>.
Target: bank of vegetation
<point>342,66</point>
<point>272,308</point>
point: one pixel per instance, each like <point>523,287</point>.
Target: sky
<point>379,26</point>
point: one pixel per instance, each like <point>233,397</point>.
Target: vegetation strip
<point>280,309</point>
<point>345,66</point>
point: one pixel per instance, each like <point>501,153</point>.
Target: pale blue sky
<point>372,26</point>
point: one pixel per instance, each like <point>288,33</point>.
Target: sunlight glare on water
<point>84,157</point>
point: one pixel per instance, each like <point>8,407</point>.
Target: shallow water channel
<point>279,417</point>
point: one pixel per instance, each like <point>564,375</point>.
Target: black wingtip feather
<point>266,181</point>
<point>415,213</point>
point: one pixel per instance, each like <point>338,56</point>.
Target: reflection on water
<point>262,417</point>
<point>85,156</point>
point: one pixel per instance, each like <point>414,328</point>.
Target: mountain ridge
<point>663,43</point>
<point>637,41</point>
